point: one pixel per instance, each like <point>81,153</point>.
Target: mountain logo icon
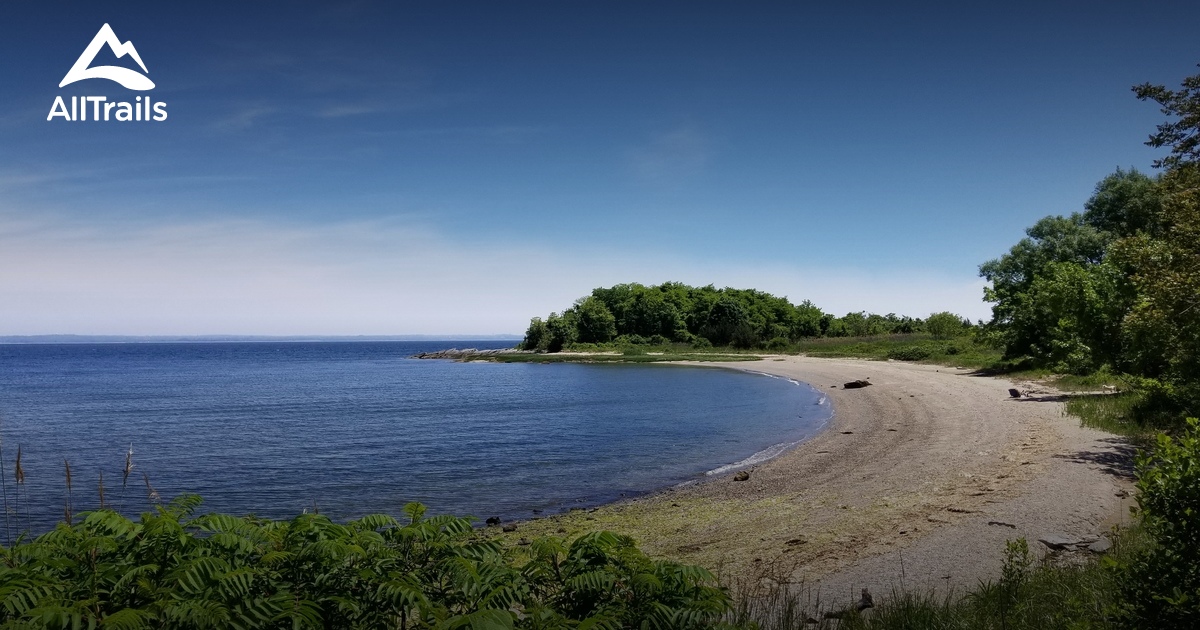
<point>130,79</point>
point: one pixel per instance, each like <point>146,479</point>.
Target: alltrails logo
<point>142,108</point>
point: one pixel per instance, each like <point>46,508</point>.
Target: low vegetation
<point>170,570</point>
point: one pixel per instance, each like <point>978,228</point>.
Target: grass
<point>624,357</point>
<point>1055,593</point>
<point>919,347</point>
<point>1109,412</point>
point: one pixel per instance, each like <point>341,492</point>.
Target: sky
<point>386,168</point>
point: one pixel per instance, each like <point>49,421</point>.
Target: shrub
<point>216,571</point>
<point>631,340</point>
<point>779,343</point>
<point>1161,586</point>
<point>910,353</point>
<point>944,325</point>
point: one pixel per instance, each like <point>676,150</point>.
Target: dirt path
<point>923,475</point>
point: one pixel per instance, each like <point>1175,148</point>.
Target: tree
<point>537,336</point>
<point>1165,318</point>
<point>1021,318</point>
<point>944,325</point>
<point>562,331</point>
<point>595,323</point>
<point>1070,318</point>
<point>726,320</point>
<point>807,321</point>
<point>651,314</point>
<point>1182,134</point>
<point>1051,239</point>
<point>1124,204</point>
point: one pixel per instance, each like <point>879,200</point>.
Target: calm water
<point>358,427</point>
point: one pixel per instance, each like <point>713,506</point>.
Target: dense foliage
<point>631,314</point>
<point>170,570</point>
<point>1161,585</point>
<point>1117,286</point>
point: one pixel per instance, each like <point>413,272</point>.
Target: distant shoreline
<point>82,339</point>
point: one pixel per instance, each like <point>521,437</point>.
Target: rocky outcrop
<point>467,353</point>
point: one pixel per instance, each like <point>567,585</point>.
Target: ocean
<point>352,428</point>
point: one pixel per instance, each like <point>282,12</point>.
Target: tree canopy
<point>673,312</point>
<point>1117,285</point>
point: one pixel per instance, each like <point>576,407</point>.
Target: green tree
<point>594,321</point>
<point>1050,240</point>
<point>944,325</point>
<point>727,321</point>
<point>1070,317</point>
<point>562,330</point>
<point>1182,133</point>
<point>1165,318</point>
<point>537,336</point>
<point>807,321</point>
<point>1124,204</point>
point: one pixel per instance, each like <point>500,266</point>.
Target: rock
<point>857,384</point>
<point>797,541</point>
<point>492,521</point>
<point>1100,546</point>
<point>1058,540</point>
<point>468,353</point>
<point>511,527</point>
<point>866,601</point>
<point>1002,523</point>
<point>1015,393</point>
<point>523,542</point>
<point>742,476</point>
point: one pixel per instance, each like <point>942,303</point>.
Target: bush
<point>631,340</point>
<point>217,571</point>
<point>779,343</point>
<point>910,353</point>
<point>944,325</point>
<point>1161,585</point>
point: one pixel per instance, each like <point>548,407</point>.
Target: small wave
<point>767,453</point>
<point>776,376</point>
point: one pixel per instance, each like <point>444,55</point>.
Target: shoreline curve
<point>920,478</point>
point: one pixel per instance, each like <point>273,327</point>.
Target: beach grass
<point>650,356</point>
<point>1056,592</point>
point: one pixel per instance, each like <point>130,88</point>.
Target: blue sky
<point>392,168</point>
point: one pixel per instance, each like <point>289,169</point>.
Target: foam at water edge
<point>769,453</point>
<point>775,450</point>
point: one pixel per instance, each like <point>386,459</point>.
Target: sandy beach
<point>918,479</point>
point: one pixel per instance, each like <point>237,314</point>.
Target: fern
<point>129,619</point>
<point>221,571</point>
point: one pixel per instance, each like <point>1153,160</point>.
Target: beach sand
<point>918,480</point>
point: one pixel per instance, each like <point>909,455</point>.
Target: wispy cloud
<point>671,157</point>
<point>243,118</point>
<point>377,277</point>
<point>347,109</point>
